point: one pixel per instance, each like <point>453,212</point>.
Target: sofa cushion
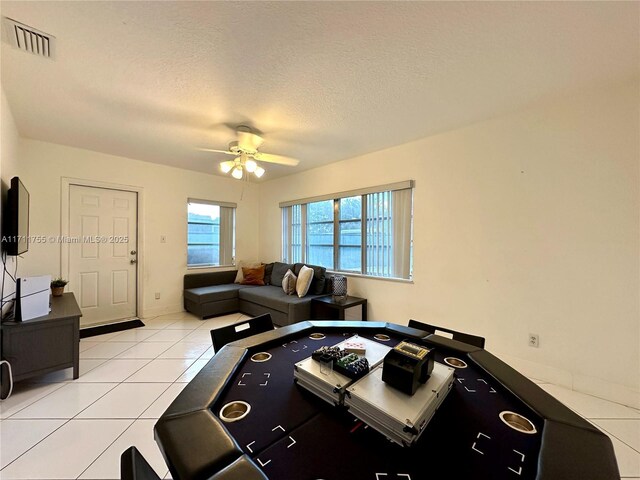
<point>328,284</point>
<point>213,293</point>
<point>268,268</point>
<point>319,274</point>
<point>271,296</point>
<point>278,272</point>
<point>195,280</point>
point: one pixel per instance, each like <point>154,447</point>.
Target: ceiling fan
<point>245,149</point>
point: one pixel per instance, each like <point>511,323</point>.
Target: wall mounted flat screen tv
<point>15,237</point>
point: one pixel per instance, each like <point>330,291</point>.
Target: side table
<point>326,308</point>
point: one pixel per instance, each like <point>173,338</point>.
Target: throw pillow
<point>242,264</point>
<point>253,276</point>
<point>319,275</point>
<point>277,274</point>
<point>304,281</point>
<point>289,283</point>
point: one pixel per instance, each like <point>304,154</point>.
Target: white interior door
<point>103,262</point>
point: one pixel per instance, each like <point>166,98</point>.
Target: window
<point>320,233</point>
<point>366,231</point>
<point>210,233</point>
<point>350,234</point>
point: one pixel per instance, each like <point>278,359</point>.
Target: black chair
<point>459,336</point>
<point>223,335</point>
<point>133,466</point>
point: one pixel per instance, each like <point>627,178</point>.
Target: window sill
<point>210,267</point>
<point>371,277</point>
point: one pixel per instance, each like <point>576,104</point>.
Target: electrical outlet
<point>534,340</point>
<point>163,239</point>
<point>157,295</point>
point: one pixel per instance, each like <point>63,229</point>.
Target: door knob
<point>133,260</point>
<point>133,252</point>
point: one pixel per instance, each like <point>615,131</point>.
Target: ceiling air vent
<point>28,39</point>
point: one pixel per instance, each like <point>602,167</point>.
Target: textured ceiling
<point>324,81</point>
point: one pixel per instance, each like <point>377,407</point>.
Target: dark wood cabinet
<point>44,344</point>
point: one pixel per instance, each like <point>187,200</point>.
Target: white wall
<point>8,160</point>
<point>164,212</point>
<point>527,223</point>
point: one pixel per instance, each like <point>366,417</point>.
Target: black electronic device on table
<point>407,366</point>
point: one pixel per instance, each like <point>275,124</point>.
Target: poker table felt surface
<point>291,434</point>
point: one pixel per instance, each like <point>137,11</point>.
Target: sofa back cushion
<point>278,272</point>
<point>328,285</point>
<point>268,268</point>
<point>195,280</point>
<point>319,275</point>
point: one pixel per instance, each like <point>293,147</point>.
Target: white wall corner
<point>580,383</point>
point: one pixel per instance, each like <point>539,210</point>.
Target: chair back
<point>223,335</point>
<point>133,466</point>
<point>474,340</point>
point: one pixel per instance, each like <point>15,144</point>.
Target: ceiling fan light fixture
<point>251,166</point>
<point>226,166</point>
<point>237,172</point>
<point>247,156</point>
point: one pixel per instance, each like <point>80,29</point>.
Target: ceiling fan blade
<point>217,151</point>
<point>279,159</point>
<point>249,140</point>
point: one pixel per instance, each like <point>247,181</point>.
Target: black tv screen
<point>16,234</point>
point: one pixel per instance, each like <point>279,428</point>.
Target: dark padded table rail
<point>291,434</point>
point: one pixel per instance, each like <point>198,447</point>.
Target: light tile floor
<point>56,427</point>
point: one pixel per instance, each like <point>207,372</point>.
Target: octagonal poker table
<point>289,433</point>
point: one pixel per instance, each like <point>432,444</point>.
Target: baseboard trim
<point>594,386</point>
<point>150,312</point>
<point>110,328</point>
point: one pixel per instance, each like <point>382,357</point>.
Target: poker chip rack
<point>341,377</point>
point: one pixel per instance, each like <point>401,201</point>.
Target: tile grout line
<point>124,431</point>
<point>75,417</point>
<point>66,382</point>
<point>35,444</point>
<point>44,396</point>
<point>100,454</point>
<point>143,341</point>
<point>615,436</point>
<point>142,413</point>
<point>48,418</point>
<point>63,383</point>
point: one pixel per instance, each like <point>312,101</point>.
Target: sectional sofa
<point>215,293</point>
